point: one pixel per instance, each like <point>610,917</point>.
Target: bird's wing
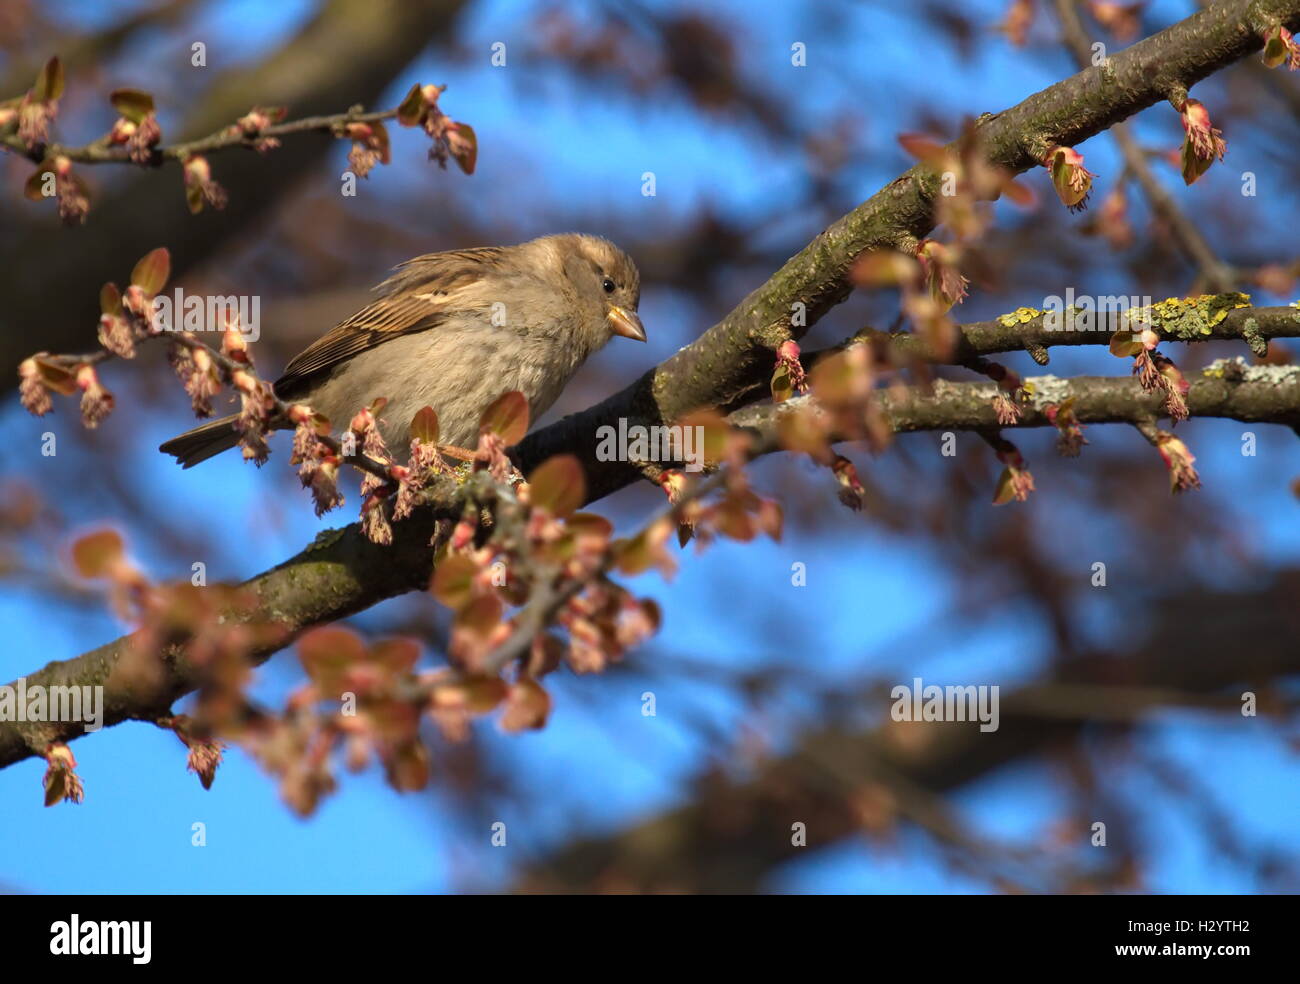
<point>415,298</point>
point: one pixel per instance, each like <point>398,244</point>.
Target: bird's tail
<point>203,442</point>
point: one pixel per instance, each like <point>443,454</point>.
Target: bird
<point>455,331</point>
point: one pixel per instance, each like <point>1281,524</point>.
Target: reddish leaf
<point>558,485</point>
<point>327,652</point>
<point>379,140</point>
<point>397,655</point>
<point>645,550</point>
<point>34,188</point>
<point>61,781</point>
<point>478,695</point>
<point>424,426</point>
<point>589,529</point>
<point>463,143</point>
<point>803,430</point>
<point>527,706</point>
<point>925,149</point>
<point>734,519</point>
<point>653,613</point>
<point>480,616</point>
<point>1018,193</point>
<point>408,767</point>
<point>883,268</point>
<point>507,417</point>
<point>95,553</point>
<point>453,580</point>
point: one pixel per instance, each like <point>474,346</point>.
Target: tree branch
<point>342,573</point>
<point>733,833</point>
<point>1215,274</point>
<point>348,52</point>
<point>1263,394</point>
<point>102,152</point>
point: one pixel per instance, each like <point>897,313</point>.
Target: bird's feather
<point>417,297</point>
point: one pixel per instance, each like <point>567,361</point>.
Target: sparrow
<point>454,331</point>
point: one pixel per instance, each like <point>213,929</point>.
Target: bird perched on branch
<point>454,331</point>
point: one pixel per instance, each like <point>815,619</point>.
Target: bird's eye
<point>608,285</point>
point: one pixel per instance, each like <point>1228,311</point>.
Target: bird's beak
<point>625,323</point>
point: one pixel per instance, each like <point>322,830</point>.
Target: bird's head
<point>607,284</point>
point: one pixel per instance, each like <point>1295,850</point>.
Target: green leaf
<point>1006,489</point>
<point>1125,344</point>
<point>49,84</point>
<point>1193,166</point>
<point>134,104</point>
<point>411,111</point>
<point>56,377</point>
<point>110,299</point>
<point>782,387</point>
<point>151,273</point>
<point>1063,172</point>
<point>1274,50</point>
<point>712,435</point>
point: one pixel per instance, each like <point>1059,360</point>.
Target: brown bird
<point>454,331</point>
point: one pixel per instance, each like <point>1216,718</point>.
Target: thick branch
<point>1264,395</point>
<point>1216,274</point>
<point>993,337</point>
<point>343,573</point>
<point>721,367</point>
<point>346,574</point>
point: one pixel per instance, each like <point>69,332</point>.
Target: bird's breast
<point>458,369</point>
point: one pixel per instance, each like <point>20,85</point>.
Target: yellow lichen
<point>1187,317</point>
<point>1020,316</point>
